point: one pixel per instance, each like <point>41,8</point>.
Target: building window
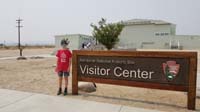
<point>162,34</point>
<point>166,33</point>
<point>157,34</point>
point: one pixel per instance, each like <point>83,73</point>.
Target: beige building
<point>139,34</point>
<point>152,34</point>
<point>76,40</point>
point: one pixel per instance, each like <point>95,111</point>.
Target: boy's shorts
<point>61,74</point>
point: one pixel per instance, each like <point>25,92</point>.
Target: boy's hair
<point>64,42</point>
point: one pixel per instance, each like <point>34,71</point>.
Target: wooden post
<point>74,75</point>
<point>192,84</point>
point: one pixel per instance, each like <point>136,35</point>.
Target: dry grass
<point>26,52</point>
<point>26,47</point>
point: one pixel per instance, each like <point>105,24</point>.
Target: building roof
<point>145,22</point>
<point>73,35</point>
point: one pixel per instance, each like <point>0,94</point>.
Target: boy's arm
<point>57,53</point>
<point>70,61</point>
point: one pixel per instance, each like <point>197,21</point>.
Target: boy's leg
<point>66,75</point>
<point>60,78</point>
<point>66,82</point>
<point>60,81</point>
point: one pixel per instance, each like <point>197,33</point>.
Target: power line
<point>19,34</point>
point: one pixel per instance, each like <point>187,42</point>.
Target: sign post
<point>157,70</point>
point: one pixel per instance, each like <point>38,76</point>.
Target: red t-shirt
<point>63,58</point>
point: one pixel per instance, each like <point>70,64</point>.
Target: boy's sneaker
<point>59,91</point>
<point>65,92</point>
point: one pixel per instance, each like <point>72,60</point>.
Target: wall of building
<point>156,37</point>
<point>76,41</point>
<point>138,34</point>
<point>187,42</point>
<point>86,39</point>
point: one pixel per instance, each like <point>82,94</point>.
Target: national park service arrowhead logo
<point>171,69</point>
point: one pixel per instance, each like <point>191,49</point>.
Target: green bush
<point>107,34</point>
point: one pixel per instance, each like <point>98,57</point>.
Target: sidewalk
<point>29,56</point>
<point>15,101</point>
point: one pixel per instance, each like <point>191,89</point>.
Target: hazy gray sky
<point>45,18</point>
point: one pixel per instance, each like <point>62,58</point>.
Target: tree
<point>107,34</point>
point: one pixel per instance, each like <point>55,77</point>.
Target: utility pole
<point>19,26</point>
<point>4,44</point>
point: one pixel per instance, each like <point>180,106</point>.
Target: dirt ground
<point>37,75</point>
<point>10,53</point>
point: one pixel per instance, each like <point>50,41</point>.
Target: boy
<point>63,65</point>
